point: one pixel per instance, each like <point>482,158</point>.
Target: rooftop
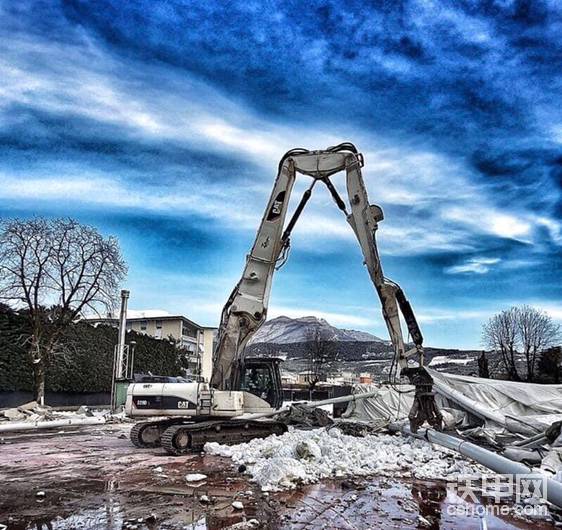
<point>145,318</point>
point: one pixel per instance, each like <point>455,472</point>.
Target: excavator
<point>240,388</point>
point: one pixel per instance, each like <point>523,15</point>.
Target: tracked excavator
<point>221,410</point>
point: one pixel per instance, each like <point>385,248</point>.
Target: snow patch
<point>443,359</point>
<point>195,477</point>
<point>303,457</point>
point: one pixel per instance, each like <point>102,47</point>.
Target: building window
<point>143,325</point>
<point>188,331</point>
<point>158,324</point>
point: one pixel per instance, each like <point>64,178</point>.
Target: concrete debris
<point>14,415</point>
<point>195,477</point>
<point>158,469</point>
<point>31,405</point>
<point>32,415</point>
<point>237,505</point>
<point>302,457</point>
<point>40,494</point>
<point>308,450</point>
<point>31,411</point>
<point>204,499</point>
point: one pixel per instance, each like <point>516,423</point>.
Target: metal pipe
<point>314,404</point>
<point>535,443</point>
<point>31,425</point>
<point>487,458</point>
<point>538,438</point>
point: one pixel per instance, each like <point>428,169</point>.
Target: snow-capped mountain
<point>285,330</point>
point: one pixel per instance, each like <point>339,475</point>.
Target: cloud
<point>473,265</point>
<point>433,186</point>
<point>119,111</point>
<point>439,316</point>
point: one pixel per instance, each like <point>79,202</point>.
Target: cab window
<point>258,381</point>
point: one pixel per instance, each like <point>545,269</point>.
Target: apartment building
<point>197,340</point>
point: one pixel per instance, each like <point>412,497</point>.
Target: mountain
<point>285,330</point>
<point>357,351</point>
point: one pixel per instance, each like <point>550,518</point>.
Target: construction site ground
<point>94,478</point>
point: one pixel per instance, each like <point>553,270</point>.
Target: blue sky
<point>163,122</point>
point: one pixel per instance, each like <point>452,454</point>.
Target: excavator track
<point>148,433</point>
<point>188,438</point>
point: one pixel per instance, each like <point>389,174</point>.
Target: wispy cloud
<point>473,266</point>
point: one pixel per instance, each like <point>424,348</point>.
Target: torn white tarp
<point>517,407</point>
<point>390,403</point>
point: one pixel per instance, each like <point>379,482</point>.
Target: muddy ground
<point>95,479</point>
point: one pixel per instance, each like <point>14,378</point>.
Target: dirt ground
<point>95,479</point>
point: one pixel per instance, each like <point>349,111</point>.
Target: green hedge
<point>86,364</point>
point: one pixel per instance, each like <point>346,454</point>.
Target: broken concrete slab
<point>14,414</point>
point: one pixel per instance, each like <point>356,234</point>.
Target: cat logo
<point>276,207</point>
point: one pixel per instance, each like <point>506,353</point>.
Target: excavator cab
<point>262,378</point>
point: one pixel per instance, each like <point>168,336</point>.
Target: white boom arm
<point>246,308</point>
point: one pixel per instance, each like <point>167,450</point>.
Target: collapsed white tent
<point>523,408</point>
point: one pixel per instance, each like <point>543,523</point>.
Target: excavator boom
<point>246,308</point>
<point>199,412</point>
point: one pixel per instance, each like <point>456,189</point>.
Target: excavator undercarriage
<point>182,438</point>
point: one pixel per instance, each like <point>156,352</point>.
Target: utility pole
<point>122,364</point>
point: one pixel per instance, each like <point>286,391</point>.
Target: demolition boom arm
<point>246,308</point>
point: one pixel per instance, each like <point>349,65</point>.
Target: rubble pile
<point>30,412</point>
<point>301,457</point>
<point>33,413</point>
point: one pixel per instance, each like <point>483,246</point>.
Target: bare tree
<point>321,352</point>
<point>523,330</point>
<point>536,331</point>
<point>500,334</point>
<point>54,271</point>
